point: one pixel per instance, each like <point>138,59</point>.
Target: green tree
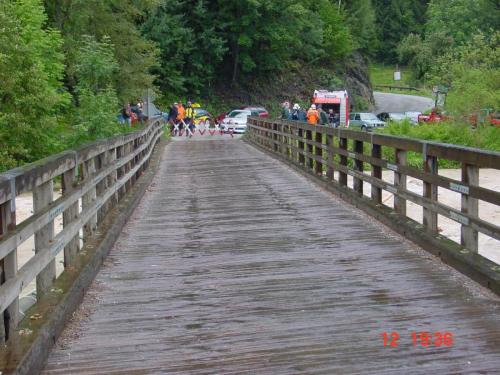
<point>97,99</point>
<point>395,19</point>
<point>118,20</point>
<point>31,93</point>
<point>472,71</point>
<point>363,28</point>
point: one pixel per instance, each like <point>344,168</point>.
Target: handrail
<point>95,176</point>
<point>323,150</point>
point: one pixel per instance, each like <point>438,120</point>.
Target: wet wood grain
<point>234,264</point>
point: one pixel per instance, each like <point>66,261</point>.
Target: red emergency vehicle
<point>336,100</point>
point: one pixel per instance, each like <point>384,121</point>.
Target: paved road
<point>234,264</point>
<point>385,102</point>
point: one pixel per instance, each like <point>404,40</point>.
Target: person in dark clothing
<point>302,115</point>
<point>295,112</point>
<point>331,118</point>
<point>172,117</point>
<point>126,114</point>
<point>323,117</point>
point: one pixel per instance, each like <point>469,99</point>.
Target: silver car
<point>365,121</point>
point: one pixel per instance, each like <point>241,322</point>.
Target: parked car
<point>391,116</point>
<point>435,116</point>
<point>201,115</point>
<point>413,116</point>
<point>365,121</point>
<point>259,111</point>
<point>236,121</point>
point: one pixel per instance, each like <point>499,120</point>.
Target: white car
<point>413,116</point>
<point>236,121</point>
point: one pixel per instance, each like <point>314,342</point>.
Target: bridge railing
<point>334,154</point>
<point>93,179</point>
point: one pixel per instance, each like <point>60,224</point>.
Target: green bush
<point>457,133</point>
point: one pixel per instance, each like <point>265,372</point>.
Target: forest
<point>68,66</point>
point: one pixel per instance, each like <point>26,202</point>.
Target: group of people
<point>314,115</point>
<point>131,114</point>
<point>180,117</point>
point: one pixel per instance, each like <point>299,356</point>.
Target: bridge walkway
<point>234,264</point>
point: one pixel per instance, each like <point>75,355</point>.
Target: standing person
<point>181,114</point>
<point>172,117</point>
<point>189,118</point>
<point>331,118</point>
<point>313,115</point>
<point>296,112</point>
<point>323,117</point>
<point>126,114</point>
<point>285,111</point>
<point>302,115</point>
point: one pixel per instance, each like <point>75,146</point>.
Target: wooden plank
<point>8,271</point>
<point>329,152</point>
<point>69,215</point>
<point>376,173</point>
<point>470,207</point>
<point>319,152</point>
<point>400,182</point>
<point>343,160</point>
<point>430,192</point>
<point>43,196</point>
<point>358,167</point>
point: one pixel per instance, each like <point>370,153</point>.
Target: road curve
<point>385,102</point>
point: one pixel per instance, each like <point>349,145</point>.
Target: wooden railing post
<point>102,185</point>
<point>343,160</point>
<point>376,173</point>
<point>284,140</point>
<point>319,152</point>
<point>42,197</point>
<point>400,183</point>
<point>8,267</point>
<point>302,158</point>
<point>310,150</point>
<point>470,206</point>
<point>112,177</point>
<point>69,216</point>
<point>329,157</point>
<point>430,192</point>
<point>88,169</point>
<point>359,167</point>
<point>276,146</point>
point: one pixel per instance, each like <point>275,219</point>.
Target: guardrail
<point>393,87</point>
<point>94,178</point>
<point>322,151</point>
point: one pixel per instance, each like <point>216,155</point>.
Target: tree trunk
<point>236,56</point>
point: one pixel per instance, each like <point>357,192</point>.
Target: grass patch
<point>384,75</point>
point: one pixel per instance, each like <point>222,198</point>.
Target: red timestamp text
<point>419,339</point>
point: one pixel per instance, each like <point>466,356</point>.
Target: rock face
<point>297,85</point>
<point>357,81</point>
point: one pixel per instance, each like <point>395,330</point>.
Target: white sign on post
<point>397,75</point>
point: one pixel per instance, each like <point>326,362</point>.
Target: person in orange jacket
<point>312,115</point>
<point>181,115</point>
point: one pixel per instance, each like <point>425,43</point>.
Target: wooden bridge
<point>233,256</point>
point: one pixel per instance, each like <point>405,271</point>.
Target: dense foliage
<point>67,66</point>
<point>458,47</point>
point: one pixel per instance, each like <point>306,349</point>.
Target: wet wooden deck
<point>234,264</point>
